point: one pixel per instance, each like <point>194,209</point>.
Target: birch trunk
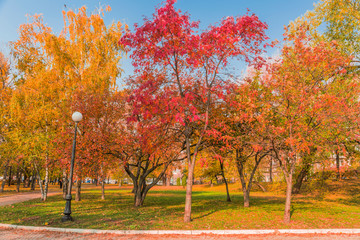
<point>5,175</point>
<point>65,184</point>
<point>46,187</point>
<point>41,187</point>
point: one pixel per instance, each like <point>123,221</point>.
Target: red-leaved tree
<point>186,66</point>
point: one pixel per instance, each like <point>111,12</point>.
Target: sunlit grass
<point>164,206</point>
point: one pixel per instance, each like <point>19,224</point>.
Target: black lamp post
<point>76,117</point>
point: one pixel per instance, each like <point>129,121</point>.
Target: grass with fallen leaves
<point>336,206</point>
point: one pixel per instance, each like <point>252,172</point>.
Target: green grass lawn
<point>339,207</point>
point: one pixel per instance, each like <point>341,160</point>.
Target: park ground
<point>330,204</point>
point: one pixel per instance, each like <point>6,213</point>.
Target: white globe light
<point>77,117</point>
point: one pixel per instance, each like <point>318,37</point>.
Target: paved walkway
<point>26,196</point>
<point>10,234</point>
<point>22,197</point>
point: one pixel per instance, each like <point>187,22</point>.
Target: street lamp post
<point>76,117</point>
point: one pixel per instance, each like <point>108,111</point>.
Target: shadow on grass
<point>204,215</point>
<point>161,210</point>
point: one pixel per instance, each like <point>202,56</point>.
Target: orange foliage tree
<point>5,95</point>
<point>52,68</point>
<point>307,85</point>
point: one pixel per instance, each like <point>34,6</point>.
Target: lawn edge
<point>188,232</point>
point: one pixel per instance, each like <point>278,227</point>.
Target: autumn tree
<point>53,68</point>
<point>146,156</point>
<point>334,20</point>
<point>5,95</point>
<point>241,128</point>
<point>189,63</point>
<point>146,144</point>
<point>306,83</point>
<point>98,134</point>
<point>308,159</point>
<point>214,163</point>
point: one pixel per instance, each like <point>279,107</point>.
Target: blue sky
<point>275,13</point>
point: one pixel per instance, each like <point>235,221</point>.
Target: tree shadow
<point>205,215</point>
<point>292,211</point>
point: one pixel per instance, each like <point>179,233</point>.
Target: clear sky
<point>276,13</point>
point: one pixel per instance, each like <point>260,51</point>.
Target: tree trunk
<point>190,177</point>
<point>287,213</point>
<point>164,180</point>
<point>270,170</point>
<point>41,188</point>
<point>26,181</point>
<point>25,178</point>
<point>4,180</point>
<point>246,187</point>
<point>18,180</point>
<point>168,180</point>
<point>78,189</point>
<point>140,191</point>
<point>120,183</point>
<point>188,197</point>
<point>65,183</point>
<point>103,177</point>
<point>42,191</point>
<point>338,177</point>
<point>139,200</point>
<point>227,191</point>
<point>46,187</point>
<point>103,189</point>
<point>9,183</point>
<point>138,196</point>
<point>140,172</point>
<point>300,178</point>
<point>246,194</point>
<point>33,180</point>
<point>226,184</point>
